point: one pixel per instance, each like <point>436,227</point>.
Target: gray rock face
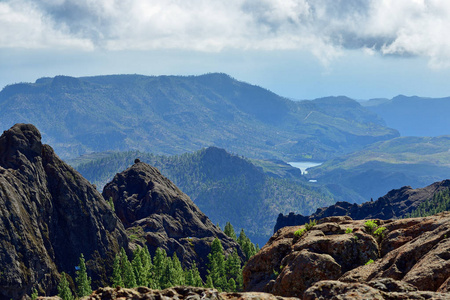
<point>49,215</point>
<point>158,214</point>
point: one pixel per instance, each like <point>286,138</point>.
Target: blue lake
<point>303,165</point>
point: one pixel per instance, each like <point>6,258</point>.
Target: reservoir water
<point>303,165</point>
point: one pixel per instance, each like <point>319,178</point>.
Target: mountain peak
<point>20,142</point>
<point>162,216</point>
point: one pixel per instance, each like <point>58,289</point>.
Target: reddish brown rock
<point>324,252</point>
<point>423,261</point>
<point>411,257</point>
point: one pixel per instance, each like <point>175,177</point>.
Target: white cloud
<point>324,27</point>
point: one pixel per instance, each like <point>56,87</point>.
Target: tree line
<point>161,271</point>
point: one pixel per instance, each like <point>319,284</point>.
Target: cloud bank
<point>324,27</point>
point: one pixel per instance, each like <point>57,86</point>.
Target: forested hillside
<point>174,114</point>
<point>225,187</point>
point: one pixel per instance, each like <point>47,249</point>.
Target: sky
<point>301,49</point>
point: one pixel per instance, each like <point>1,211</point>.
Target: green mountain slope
<point>227,188</point>
<point>372,172</point>
<point>173,115</point>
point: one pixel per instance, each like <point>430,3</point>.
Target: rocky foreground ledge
<point>180,293</point>
<point>408,259</point>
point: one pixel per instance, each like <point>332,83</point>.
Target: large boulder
<point>49,215</point>
<point>158,214</point>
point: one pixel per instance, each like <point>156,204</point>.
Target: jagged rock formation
<point>395,204</point>
<point>49,215</point>
<point>180,293</point>
<point>158,214</point>
<point>411,252</point>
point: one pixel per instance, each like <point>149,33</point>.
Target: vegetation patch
<point>308,226</point>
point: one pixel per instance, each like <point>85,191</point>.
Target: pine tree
<point>229,231</point>
<point>117,272</point>
<point>129,280</point>
<point>217,265</point>
<point>159,265</point>
<point>209,282</point>
<point>189,277</point>
<point>147,266</point>
<point>233,265</point>
<point>247,246</point>
<point>64,291</point>
<point>178,273</point>
<point>82,280</point>
<point>231,285</point>
<point>196,276</point>
<point>138,268</point>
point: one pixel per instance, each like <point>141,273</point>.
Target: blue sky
<point>302,49</point>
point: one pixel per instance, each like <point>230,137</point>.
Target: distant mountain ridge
<point>414,116</point>
<point>175,114</point>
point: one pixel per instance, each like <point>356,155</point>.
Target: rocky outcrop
<point>49,215</point>
<point>395,204</point>
<point>158,214</point>
<point>412,253</point>
<point>180,293</point>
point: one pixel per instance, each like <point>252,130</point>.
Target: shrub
<point>310,225</point>
<point>369,262</point>
<point>370,226</point>
<point>379,231</point>
<point>300,232</point>
<point>348,230</point>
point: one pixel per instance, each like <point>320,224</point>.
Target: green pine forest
<point>439,203</point>
<point>162,271</point>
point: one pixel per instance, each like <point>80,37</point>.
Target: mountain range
<point>174,114</point>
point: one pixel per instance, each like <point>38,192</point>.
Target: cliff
<point>49,215</point>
